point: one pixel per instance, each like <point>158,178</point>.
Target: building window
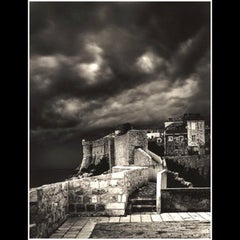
<point>193,138</point>
<point>200,125</point>
<point>170,138</point>
<point>181,138</point>
<point>193,125</point>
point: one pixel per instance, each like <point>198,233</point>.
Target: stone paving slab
<point>135,218</point>
<point>156,218</point>
<point>82,227</point>
<point>152,230</point>
<point>196,216</point>
<point>176,217</point>
<point>146,218</point>
<point>114,219</point>
<point>87,230</point>
<point>185,216</point>
<point>205,215</point>
<point>125,219</point>
<point>166,217</point>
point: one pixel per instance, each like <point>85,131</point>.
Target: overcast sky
<point>96,65</point>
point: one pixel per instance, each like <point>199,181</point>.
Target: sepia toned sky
<point>94,66</point>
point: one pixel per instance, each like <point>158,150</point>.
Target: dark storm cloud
<point>96,65</point>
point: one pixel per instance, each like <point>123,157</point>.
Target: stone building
<point>122,148</point>
<point>184,135</point>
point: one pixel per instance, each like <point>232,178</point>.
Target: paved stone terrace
<point>82,227</point>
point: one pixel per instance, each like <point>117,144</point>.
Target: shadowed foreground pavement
<point>144,225</point>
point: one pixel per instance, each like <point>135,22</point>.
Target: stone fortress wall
<point>118,149</point>
<point>132,165</point>
<point>106,194</point>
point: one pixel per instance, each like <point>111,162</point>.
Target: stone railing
<point>185,199</point>
<point>155,157</point>
<point>107,194</point>
<point>180,199</point>
<point>48,208</point>
<point>142,158</point>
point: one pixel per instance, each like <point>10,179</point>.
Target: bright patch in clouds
<point>68,107</point>
<point>95,70</point>
<point>44,62</point>
<point>186,90</point>
<point>89,71</point>
<point>148,62</point>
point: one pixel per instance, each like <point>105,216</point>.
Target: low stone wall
<point>92,196</point>
<point>141,158</point>
<point>185,199</point>
<point>105,194</point>
<point>191,161</point>
<point>96,196</point>
<point>48,208</point>
<point>193,168</point>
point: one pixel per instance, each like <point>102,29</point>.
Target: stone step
<point>140,204</point>
<point>143,198</point>
<point>143,206</point>
<point>143,201</point>
<point>143,209</point>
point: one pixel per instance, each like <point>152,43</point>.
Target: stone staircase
<point>179,180</point>
<point>143,199</point>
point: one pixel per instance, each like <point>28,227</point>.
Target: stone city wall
<point>136,138</point>
<point>120,150</point>
<point>185,200</point>
<point>94,151</point>
<point>99,150</point>
<point>92,196</point>
<point>191,161</point>
<point>48,208</point>
<point>105,194</point>
<point>141,158</point>
<point>126,144</point>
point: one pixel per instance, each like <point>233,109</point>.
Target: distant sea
<point>41,177</point>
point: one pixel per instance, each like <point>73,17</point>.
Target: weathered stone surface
<point>80,207</point>
<point>99,191</point>
<point>118,175</point>
<point>113,183</point>
<point>94,184</point>
<point>103,184</point>
<point>33,195</point>
<point>50,209</point>
<point>142,158</point>
<point>90,207</point>
<point>94,199</point>
<point>115,205</point>
<point>115,212</point>
<point>125,145</point>
<point>176,230</point>
<point>85,197</point>
<point>185,199</point>
<point>79,191</point>
<point>124,198</point>
<point>116,190</point>
<point>100,207</point>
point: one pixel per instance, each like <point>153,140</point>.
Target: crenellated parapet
<point>118,150</point>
